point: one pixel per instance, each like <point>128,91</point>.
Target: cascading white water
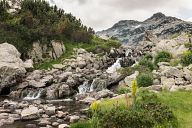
<point>92,85</point>
<point>84,88</point>
<point>128,52</point>
<point>113,69</point>
<point>33,95</point>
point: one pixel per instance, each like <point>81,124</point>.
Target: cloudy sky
<point>102,14</point>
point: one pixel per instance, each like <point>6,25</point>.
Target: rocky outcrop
<point>175,46</point>
<point>41,51</point>
<point>172,78</point>
<point>11,66</point>
<point>130,31</point>
<point>58,49</point>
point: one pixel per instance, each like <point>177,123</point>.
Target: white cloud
<point>102,14</point>
<point>189,19</point>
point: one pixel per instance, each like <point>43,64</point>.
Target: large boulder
<point>172,72</point>
<point>172,46</point>
<point>30,113</point>
<point>58,49</point>
<point>36,54</point>
<point>11,66</point>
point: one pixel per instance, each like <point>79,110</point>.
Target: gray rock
<point>36,54</point>
<point>55,124</point>
<point>104,94</point>
<point>44,122</point>
<point>58,49</point>
<point>58,66</point>
<point>167,82</point>
<point>130,78</point>
<point>63,126</point>
<point>157,88</point>
<point>50,110</point>
<point>88,100</point>
<point>179,81</point>
<point>172,72</point>
<point>30,113</point>
<point>11,66</point>
<point>74,119</point>
<point>28,64</point>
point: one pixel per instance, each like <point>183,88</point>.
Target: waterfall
<point>113,69</point>
<point>33,95</point>
<point>92,85</point>
<point>128,52</point>
<point>84,88</point>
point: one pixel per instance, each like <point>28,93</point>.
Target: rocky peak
<point>156,16</point>
<point>131,31</point>
<point>126,22</point>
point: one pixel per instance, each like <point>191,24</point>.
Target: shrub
<point>118,118</point>
<point>161,114</point>
<point>175,62</point>
<point>123,90</point>
<point>82,124</point>
<point>145,79</point>
<point>148,56</point>
<point>189,45</point>
<point>163,56</point>
<point>147,63</point>
<point>186,58</point>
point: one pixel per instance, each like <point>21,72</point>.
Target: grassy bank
<point>181,104</point>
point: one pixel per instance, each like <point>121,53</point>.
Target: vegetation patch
<point>180,103</point>
<point>186,58</point>
<point>163,56</point>
<point>145,79</point>
<point>146,112</point>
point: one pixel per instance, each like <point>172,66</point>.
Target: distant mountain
<point>131,31</point>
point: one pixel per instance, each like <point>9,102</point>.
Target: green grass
<point>181,104</point>
<point>108,104</point>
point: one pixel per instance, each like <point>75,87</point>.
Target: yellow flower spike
<point>95,105</point>
<point>134,88</point>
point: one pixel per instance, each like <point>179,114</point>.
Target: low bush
<point>147,63</point>
<point>189,45</point>
<point>82,124</point>
<point>145,79</point>
<point>148,56</point>
<point>186,58</point>
<point>118,118</point>
<point>163,56</point>
<point>123,90</point>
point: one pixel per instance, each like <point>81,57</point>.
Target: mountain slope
<point>131,31</point>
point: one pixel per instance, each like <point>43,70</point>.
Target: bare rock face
<point>58,49</point>
<point>41,51</point>
<point>36,53</point>
<point>131,31</point>
<point>11,66</point>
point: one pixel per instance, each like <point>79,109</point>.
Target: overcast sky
<point>102,14</point>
